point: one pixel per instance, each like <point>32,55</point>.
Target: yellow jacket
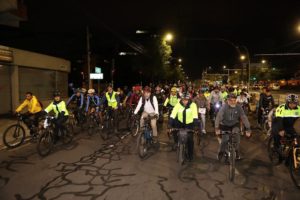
<point>33,105</point>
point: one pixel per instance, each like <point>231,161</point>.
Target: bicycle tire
<point>295,173</point>
<point>47,137</point>
<point>181,154</point>
<point>142,146</point>
<point>272,152</point>
<point>67,136</point>
<point>6,132</point>
<point>232,157</point>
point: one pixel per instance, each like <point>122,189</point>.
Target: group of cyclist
<point>186,106</point>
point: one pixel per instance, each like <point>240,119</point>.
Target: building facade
<point>22,71</point>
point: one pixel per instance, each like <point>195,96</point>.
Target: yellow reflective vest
<point>282,111</point>
<point>111,101</point>
<point>57,108</point>
<point>185,115</point>
<point>172,100</point>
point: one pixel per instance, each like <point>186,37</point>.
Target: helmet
<point>231,96</point>
<point>56,93</point>
<point>78,90</point>
<point>173,89</point>
<point>147,89</point>
<point>83,90</point>
<point>292,98</point>
<point>186,95</point>
<point>91,91</point>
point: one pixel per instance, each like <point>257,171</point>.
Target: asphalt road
<point>91,168</point>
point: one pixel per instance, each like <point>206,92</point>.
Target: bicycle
<point>133,122</point>
<point>93,122</point>
<point>15,135</point>
<point>182,152</point>
<point>288,151</point>
<point>145,138</point>
<point>230,152</point>
<point>46,140</point>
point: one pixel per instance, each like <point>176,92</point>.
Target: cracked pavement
<point>91,168</point>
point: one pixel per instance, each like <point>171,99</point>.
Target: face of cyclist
<point>78,94</point>
<point>185,101</point>
<point>232,102</point>
<point>173,93</point>
<point>147,94</point>
<point>157,90</point>
<point>109,90</point>
<point>28,97</point>
<point>57,98</point>
<point>292,105</point>
<point>90,94</point>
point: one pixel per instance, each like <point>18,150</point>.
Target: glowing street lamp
<point>298,28</point>
<point>224,66</point>
<point>168,37</point>
<point>243,57</point>
<point>263,61</point>
<point>180,60</point>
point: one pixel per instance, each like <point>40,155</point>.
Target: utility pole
<point>88,54</point>
<point>112,72</point>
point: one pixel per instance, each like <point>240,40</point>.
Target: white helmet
<point>91,91</point>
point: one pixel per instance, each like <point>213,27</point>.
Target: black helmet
<point>231,96</point>
<point>56,93</point>
<point>292,98</point>
<point>186,95</point>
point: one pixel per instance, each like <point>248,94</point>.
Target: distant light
<point>298,28</point>
<point>236,72</point>
<point>243,57</point>
<point>209,67</point>
<point>224,66</point>
<point>180,60</point>
<point>263,61</point>
<point>140,32</point>
<point>273,68</point>
<point>122,53</point>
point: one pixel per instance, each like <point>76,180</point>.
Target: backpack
<point>144,101</point>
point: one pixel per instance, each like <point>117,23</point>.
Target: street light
<point>243,57</point>
<point>180,60</point>
<point>168,37</point>
<point>263,61</point>
<point>235,71</point>
<point>224,66</point>
<point>298,28</point>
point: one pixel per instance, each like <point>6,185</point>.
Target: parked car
<point>275,86</point>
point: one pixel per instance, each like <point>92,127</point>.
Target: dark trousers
<point>32,119</point>
<point>59,124</point>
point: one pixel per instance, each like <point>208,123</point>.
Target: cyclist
<point>113,103</point>
<point>92,102</point>
<point>202,105</point>
<point>61,113</point>
<point>285,117</point>
<point>266,101</point>
<point>172,100</point>
<point>228,119</point>
<point>185,115</point>
<point>214,98</point>
<point>148,106</point>
<point>34,107</point>
<point>78,99</point>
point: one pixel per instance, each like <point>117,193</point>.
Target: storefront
<point>22,71</point>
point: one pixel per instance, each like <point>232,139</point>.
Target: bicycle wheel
<point>232,156</point>
<point>181,154</point>
<point>198,137</point>
<point>135,128</point>
<point>273,153</point>
<point>67,135</point>
<point>294,170</point>
<point>45,143</point>
<point>142,146</point>
<point>14,136</point>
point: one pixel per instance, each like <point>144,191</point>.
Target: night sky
<point>57,27</point>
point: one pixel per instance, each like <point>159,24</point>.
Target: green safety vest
<point>172,100</point>
<point>57,108</point>
<point>190,113</point>
<point>281,111</point>
<point>224,95</point>
<point>111,101</point>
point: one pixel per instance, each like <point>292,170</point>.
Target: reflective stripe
<point>112,102</point>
